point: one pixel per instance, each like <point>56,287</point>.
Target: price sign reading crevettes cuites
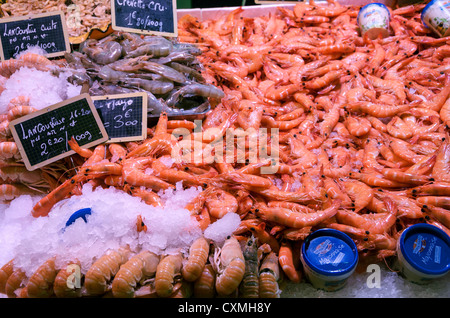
<point>42,137</point>
<point>123,115</point>
<point>145,16</point>
<point>47,31</point>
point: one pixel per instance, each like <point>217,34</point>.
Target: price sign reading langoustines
<point>47,31</point>
<point>42,136</point>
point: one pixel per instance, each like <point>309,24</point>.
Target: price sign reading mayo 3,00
<point>145,16</point>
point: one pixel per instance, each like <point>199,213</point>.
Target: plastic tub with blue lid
<point>329,258</point>
<point>373,20</point>
<point>436,16</point>
<point>423,253</point>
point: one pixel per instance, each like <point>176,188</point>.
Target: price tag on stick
<point>47,30</point>
<point>42,136</point>
<point>123,115</point>
<point>158,17</point>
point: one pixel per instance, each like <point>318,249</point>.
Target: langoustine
<point>334,130</point>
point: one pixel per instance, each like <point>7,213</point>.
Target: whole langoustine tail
<point>231,267</point>
<point>269,276</point>
<point>198,256</point>
<point>40,284</point>
<point>67,282</point>
<point>136,269</point>
<point>103,270</point>
<point>5,272</point>
<point>166,271</point>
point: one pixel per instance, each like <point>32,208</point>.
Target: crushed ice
<point>111,224</point>
<point>43,88</point>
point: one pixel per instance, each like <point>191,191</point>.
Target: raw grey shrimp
<point>153,49</point>
<point>108,74</point>
<point>157,87</point>
<point>110,52</point>
<point>189,71</point>
<point>164,70</point>
<point>197,89</point>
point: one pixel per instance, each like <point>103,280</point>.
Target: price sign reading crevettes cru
<point>42,137</point>
<point>47,30</point>
<point>145,16</point>
<point>123,115</point>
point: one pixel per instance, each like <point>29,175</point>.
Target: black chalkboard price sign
<point>123,115</point>
<point>145,16</point>
<point>47,30</point>
<point>42,136</point>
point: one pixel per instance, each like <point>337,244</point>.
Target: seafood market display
<point>166,70</point>
<point>81,16</point>
<point>352,138</point>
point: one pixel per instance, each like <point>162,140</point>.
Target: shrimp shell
<point>103,270</point>
<point>40,284</point>
<point>15,282</point>
<point>232,267</point>
<point>135,270</point>
<point>61,288</point>
<point>5,272</point>
<point>204,286</point>
<point>269,275</point>
<point>168,268</point>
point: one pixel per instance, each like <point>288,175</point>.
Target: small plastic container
<point>423,253</point>
<point>373,20</point>
<point>82,213</point>
<point>329,258</point>
<point>436,16</point>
